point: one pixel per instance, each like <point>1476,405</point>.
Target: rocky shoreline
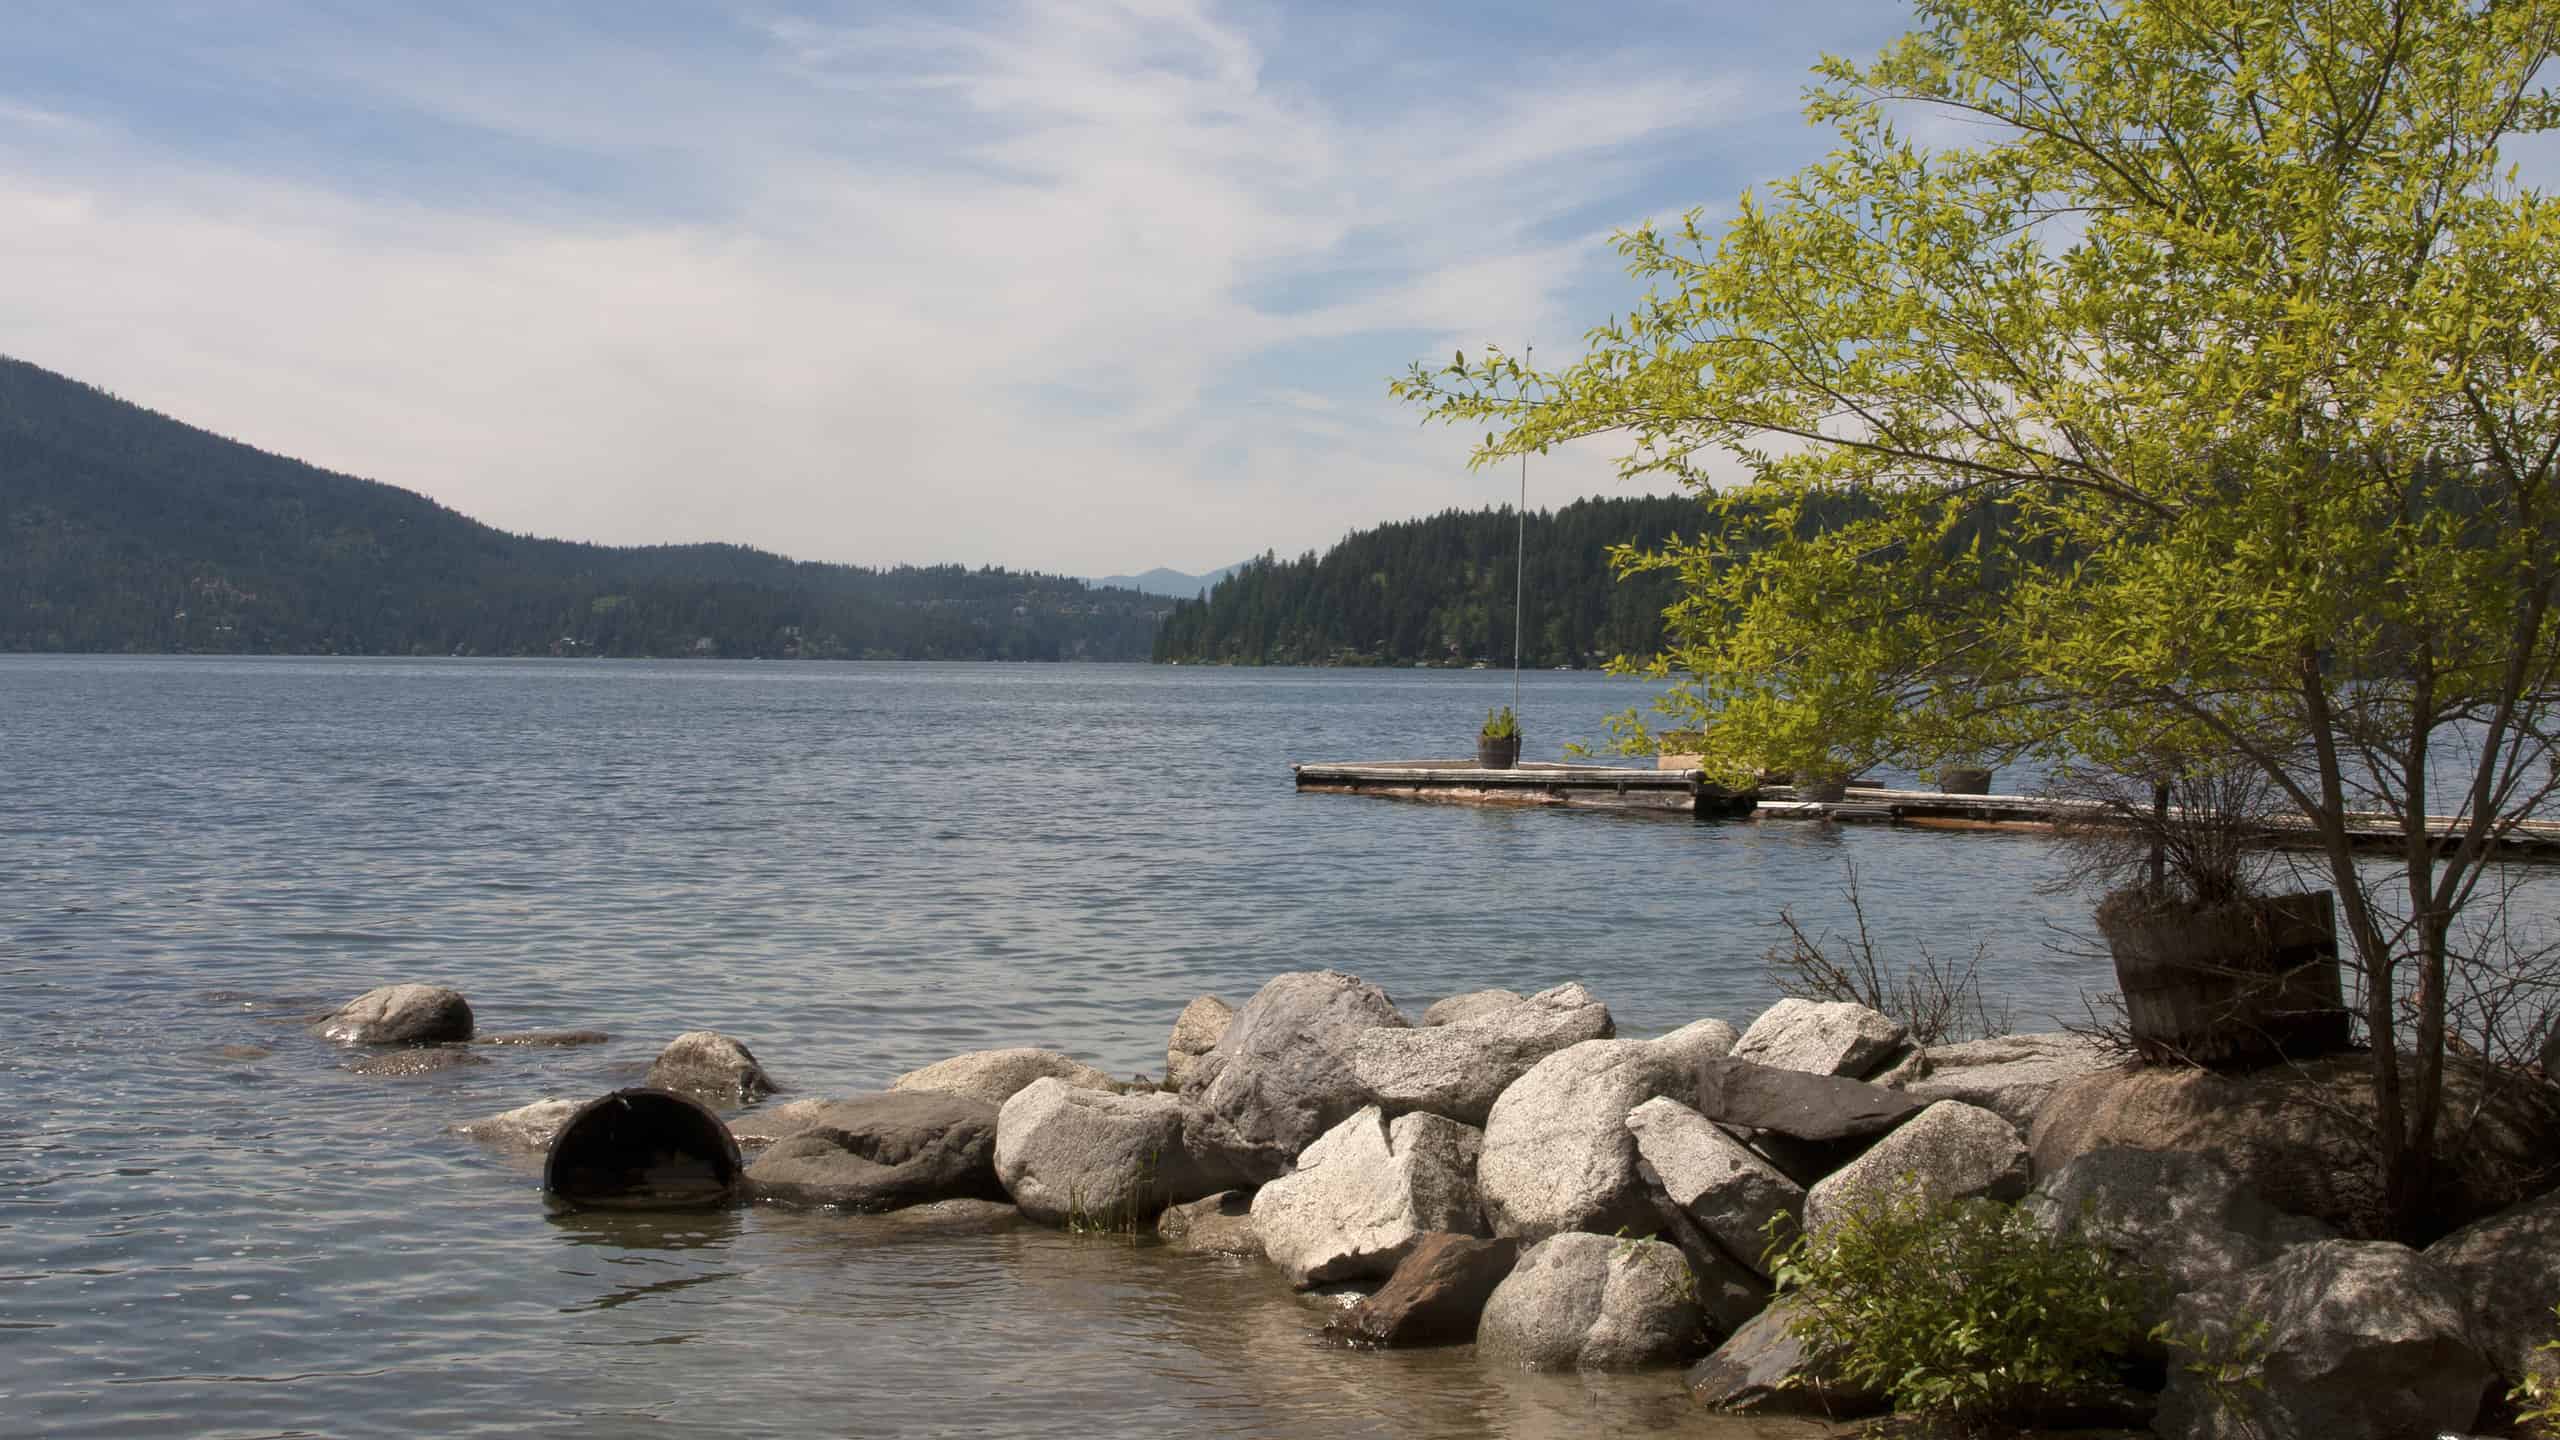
<point>1510,1172</point>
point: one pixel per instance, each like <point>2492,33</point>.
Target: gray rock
<point>1732,1195</point>
<point>2507,1269</point>
<point>1474,1005</point>
<point>1952,1151</point>
<point>1458,1069</point>
<point>1436,1296</point>
<point>1822,1037</point>
<point>1557,1153</point>
<point>2183,1217</point>
<point>1365,1192</point>
<point>530,1128</point>
<point>546,1039</point>
<point>1593,1302</point>
<point>1222,1224</point>
<point>1795,1104</point>
<point>1095,1159</point>
<point>2011,1075</point>
<point>766,1124</point>
<point>1700,1040</point>
<point>996,1076</point>
<point>710,1067</point>
<point>1761,1368</point>
<point>884,1152</point>
<point>2364,1340</point>
<point>424,1060</point>
<point>1729,1293</point>
<point>400,1015</point>
<point>1283,1069</point>
<point>1196,1032</point>
<point>947,1217</point>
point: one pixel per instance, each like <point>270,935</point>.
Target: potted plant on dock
<point>1964,775</point>
<point>1498,743</point>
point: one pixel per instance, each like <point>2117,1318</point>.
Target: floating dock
<point>1687,792</point>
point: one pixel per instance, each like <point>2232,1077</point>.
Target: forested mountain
<point>1438,591</point>
<point>123,530</point>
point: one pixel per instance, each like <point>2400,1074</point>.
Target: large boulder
<point>996,1076</point>
<point>1458,1069</point>
<point>1557,1152</point>
<point>1952,1151</point>
<point>527,1128</point>
<point>2507,1270</point>
<point>1436,1295</point>
<point>710,1067</point>
<point>2362,1340</point>
<point>1283,1069</point>
<point>1594,1302</point>
<point>1762,1368</point>
<point>1196,1033</point>
<point>1473,1005</point>
<point>2182,1217</point>
<point>2011,1075</point>
<point>400,1015</point>
<point>2301,1134</point>
<point>1822,1037</point>
<point>1221,1224</point>
<point>1732,1195</point>
<point>1366,1192</point>
<point>1096,1159</point>
<point>885,1152</point>
<point>1795,1104</point>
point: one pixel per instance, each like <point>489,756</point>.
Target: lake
<point>207,1224</point>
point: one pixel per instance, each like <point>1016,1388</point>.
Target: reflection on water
<point>207,1225</point>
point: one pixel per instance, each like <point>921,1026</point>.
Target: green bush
<point>1500,725</point>
<point>2537,1400</point>
<point>1961,1313</point>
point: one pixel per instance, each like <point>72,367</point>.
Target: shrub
<point>1962,1313</point>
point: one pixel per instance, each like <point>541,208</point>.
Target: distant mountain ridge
<point>1174,584</point>
<point>124,530</point>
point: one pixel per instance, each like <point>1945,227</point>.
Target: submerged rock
<point>1221,1224</point>
<point>1365,1193</point>
<point>1953,1151</point>
<point>529,1128</point>
<point>1196,1033</point>
<point>884,1152</point>
<point>1459,1069</point>
<point>1284,1067</point>
<point>1099,1160</point>
<point>1436,1295</point>
<point>1593,1302</point>
<point>546,1039</point>
<point>400,1015</point>
<point>996,1076</point>
<point>1822,1037</point>
<point>710,1067</point>
<point>424,1060</point>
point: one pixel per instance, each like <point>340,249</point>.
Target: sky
<point>1076,287</point>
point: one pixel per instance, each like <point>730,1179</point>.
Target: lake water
<point>857,869</point>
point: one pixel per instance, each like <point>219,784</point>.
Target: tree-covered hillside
<point>123,530</point>
<point>1439,591</point>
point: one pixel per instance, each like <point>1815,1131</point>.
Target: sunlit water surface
<point>858,869</point>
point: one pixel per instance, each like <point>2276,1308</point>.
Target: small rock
<point>1953,1151</point>
<point>996,1076</point>
<point>1222,1224</point>
<point>1796,1104</point>
<point>1196,1033</point>
<point>710,1067</point>
<point>1436,1296</point>
<point>2507,1269</point>
<point>1733,1195</point>
<point>1761,1368</point>
<point>1822,1037</point>
<point>1593,1302</point>
<point>1101,1160</point>
<point>547,1039</point>
<point>1473,1005</point>
<point>1283,1067</point>
<point>527,1127</point>
<point>2012,1075</point>
<point>400,1015</point>
<point>1458,1069</point>
<point>2364,1340</point>
<point>421,1061</point>
<point>2183,1217</point>
<point>1365,1193</point>
<point>885,1152</point>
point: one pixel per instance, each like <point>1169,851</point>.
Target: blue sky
<point>1080,287</point>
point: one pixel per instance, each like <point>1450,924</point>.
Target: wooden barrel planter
<point>1965,780</point>
<point>643,1149</point>
<point>2230,985</point>
<point>1493,754</point>
<point>1824,789</point>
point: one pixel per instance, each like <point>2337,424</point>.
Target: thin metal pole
<point>1520,565</point>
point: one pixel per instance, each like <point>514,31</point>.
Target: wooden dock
<point>1686,792</point>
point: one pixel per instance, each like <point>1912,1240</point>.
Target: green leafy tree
<point>2202,404</point>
